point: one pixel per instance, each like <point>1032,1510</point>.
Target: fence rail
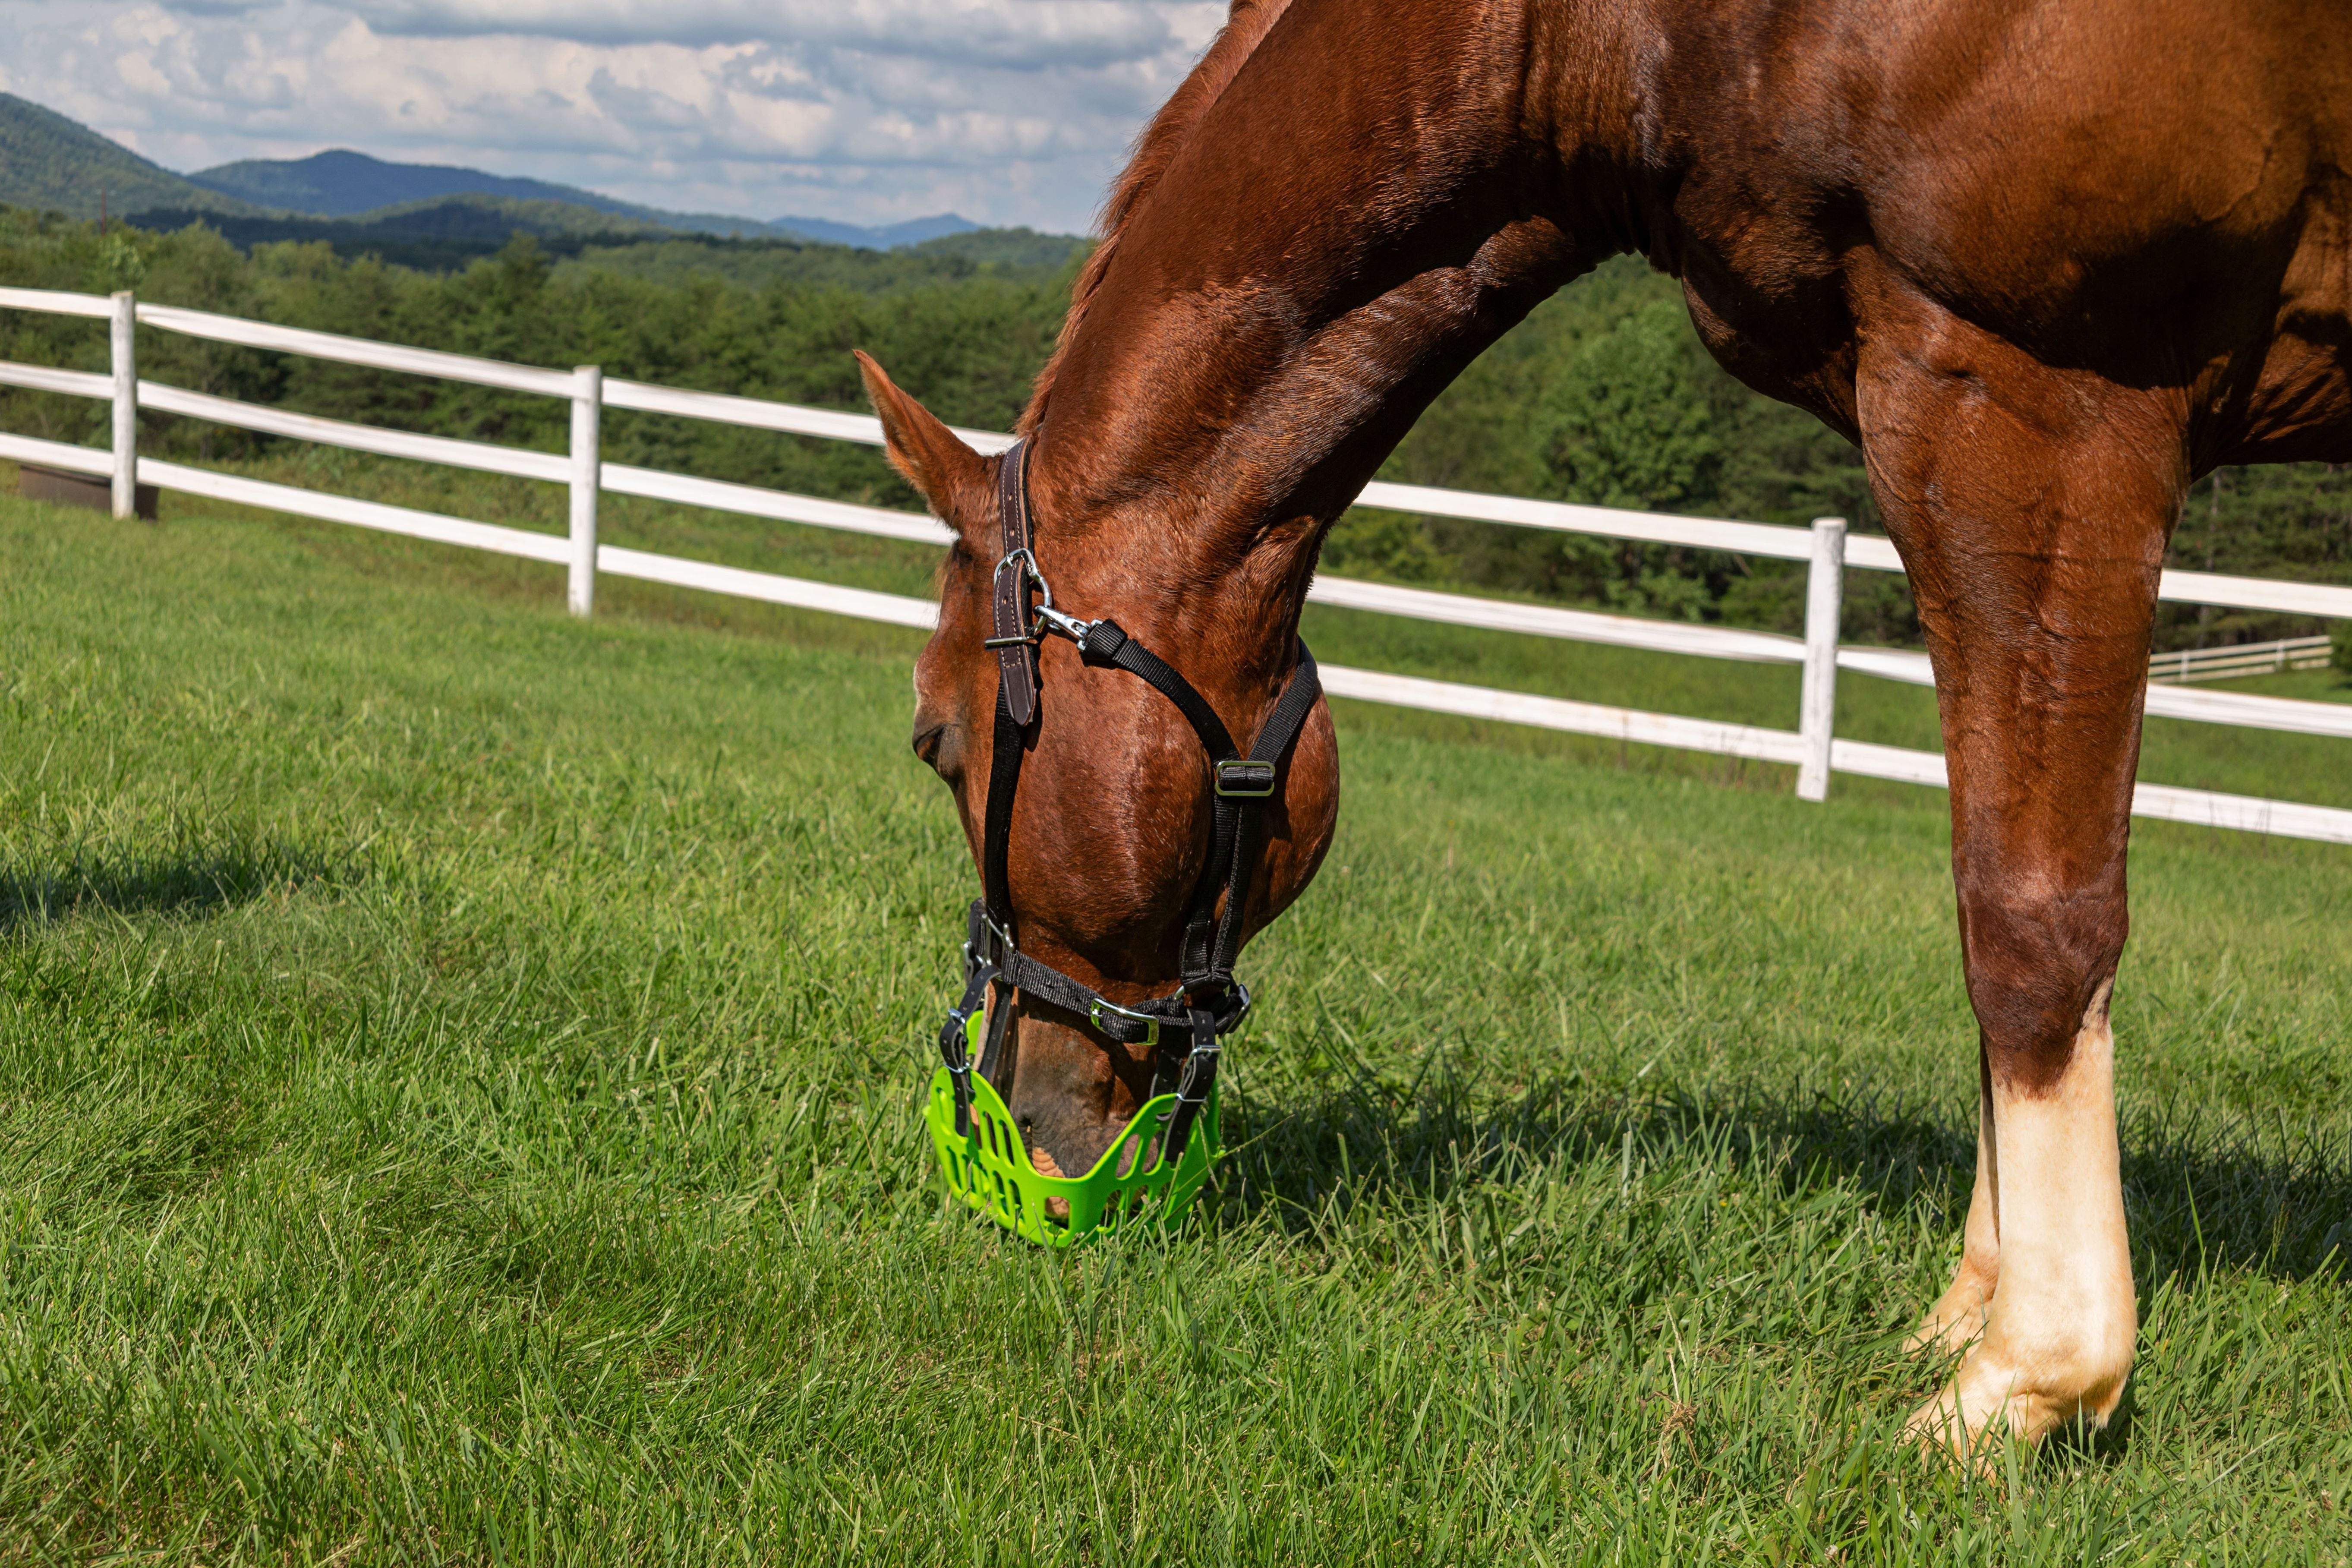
<point>2243,659</point>
<point>1811,748</point>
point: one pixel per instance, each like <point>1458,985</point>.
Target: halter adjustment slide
<point>1244,778</point>
<point>1102,1004</point>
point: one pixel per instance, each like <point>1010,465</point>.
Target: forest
<point>1604,395</point>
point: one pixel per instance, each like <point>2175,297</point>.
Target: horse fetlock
<point>2052,1344</point>
<point>2024,1380</point>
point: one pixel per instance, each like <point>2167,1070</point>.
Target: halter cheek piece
<point>1209,1002</point>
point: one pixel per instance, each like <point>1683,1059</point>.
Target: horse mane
<point>1246,25</point>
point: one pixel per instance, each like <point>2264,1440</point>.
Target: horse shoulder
<point>2156,187</point>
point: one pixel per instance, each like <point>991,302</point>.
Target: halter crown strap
<point>1016,662</point>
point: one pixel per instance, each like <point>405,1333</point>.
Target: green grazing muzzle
<point>990,1168</point>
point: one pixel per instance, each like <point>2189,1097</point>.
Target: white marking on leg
<point>2058,1339</point>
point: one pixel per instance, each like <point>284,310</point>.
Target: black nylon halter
<point>1209,1001</point>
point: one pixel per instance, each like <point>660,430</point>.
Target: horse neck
<point>1377,196</point>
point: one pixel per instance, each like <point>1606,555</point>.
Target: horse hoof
<point>1993,1396</point>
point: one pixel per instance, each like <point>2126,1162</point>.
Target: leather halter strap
<point>1017,654</point>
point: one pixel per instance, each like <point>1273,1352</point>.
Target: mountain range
<point>53,163</point>
<point>56,165</point>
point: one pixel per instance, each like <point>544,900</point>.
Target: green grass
<point>458,1071</point>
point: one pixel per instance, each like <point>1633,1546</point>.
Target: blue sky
<point>1013,112</point>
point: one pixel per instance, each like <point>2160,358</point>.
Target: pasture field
<point>458,1071</point>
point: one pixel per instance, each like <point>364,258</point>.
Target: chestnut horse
<point>2046,261</point>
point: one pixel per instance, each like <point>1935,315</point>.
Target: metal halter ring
<point>1029,563</point>
<point>1047,618</point>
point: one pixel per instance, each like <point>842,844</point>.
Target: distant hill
<point>914,231</point>
<point>451,232</point>
<point>51,164</point>
<point>433,215</point>
<point>1008,247</point>
<point>343,184</point>
<point>431,236</point>
<point>496,219</point>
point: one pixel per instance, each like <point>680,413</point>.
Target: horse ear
<point>952,478</point>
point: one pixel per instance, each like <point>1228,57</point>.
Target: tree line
<point>1604,395</point>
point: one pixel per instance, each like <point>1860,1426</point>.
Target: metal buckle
<point>1238,1014</point>
<point>1244,778</point>
<point>1003,938</point>
<point>1206,1058</point>
<point>1103,1005</point>
<point>959,1016</point>
<point>1029,565</point>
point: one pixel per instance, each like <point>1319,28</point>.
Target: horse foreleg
<point>2031,506</point>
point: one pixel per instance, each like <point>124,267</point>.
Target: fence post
<point>123,343</point>
<point>1817,708</point>
<point>587,463</point>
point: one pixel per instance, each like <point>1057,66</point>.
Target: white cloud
<point>1023,33</point>
<point>1006,110</point>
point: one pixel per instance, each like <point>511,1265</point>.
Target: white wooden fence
<point>2240,659</point>
<point>1811,747</point>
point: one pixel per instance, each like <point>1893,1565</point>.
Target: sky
<point>1006,111</point>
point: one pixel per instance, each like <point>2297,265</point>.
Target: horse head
<point>1111,839</point>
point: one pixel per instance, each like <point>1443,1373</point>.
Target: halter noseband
<point>1209,1001</point>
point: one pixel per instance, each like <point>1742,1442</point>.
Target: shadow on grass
<point>195,881</point>
<point>2202,1191</point>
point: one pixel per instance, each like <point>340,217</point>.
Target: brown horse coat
<point>2046,261</point>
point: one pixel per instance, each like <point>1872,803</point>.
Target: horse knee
<point>2040,960</point>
